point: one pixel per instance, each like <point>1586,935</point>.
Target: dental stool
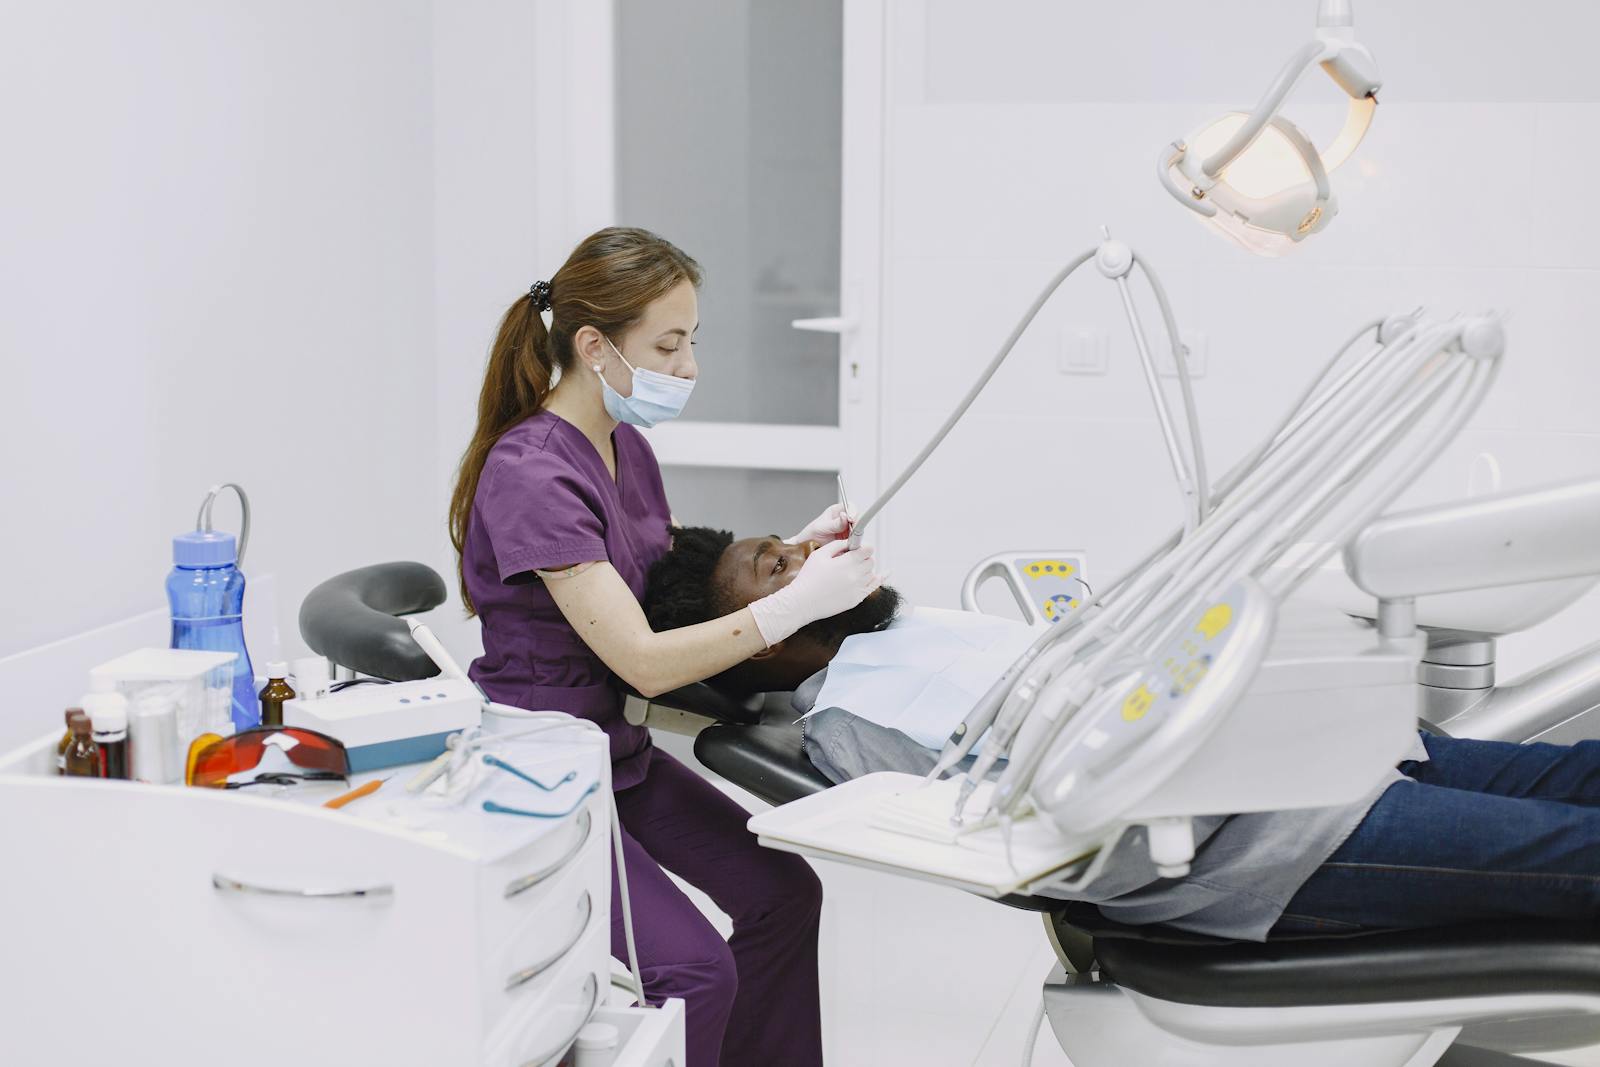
<point>353,620</point>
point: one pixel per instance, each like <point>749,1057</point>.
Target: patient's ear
<point>767,653</point>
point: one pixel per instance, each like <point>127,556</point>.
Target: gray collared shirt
<point>1246,867</point>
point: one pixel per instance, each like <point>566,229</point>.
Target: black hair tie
<point>539,293</point>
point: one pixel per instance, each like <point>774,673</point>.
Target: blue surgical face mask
<point>656,397</point>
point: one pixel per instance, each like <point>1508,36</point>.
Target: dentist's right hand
<point>834,578</point>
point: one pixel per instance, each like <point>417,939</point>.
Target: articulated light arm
<point>1265,184</point>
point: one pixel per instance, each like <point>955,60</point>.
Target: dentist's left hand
<point>832,525</point>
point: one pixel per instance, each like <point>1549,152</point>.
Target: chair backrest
<point>353,619</point>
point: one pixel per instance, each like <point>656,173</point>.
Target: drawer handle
<point>592,989</point>
<point>529,973</point>
<point>528,881</point>
<point>234,885</point>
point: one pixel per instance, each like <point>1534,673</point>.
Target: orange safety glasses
<point>320,757</point>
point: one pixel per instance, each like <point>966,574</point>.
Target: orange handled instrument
<point>355,794</point>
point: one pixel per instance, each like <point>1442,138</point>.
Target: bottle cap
<point>597,1036</point>
<point>205,548</point>
<point>277,671</point>
<point>72,713</point>
<point>111,717</point>
<point>78,722</point>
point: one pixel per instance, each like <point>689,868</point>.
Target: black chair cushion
<point>1482,960</point>
<point>766,757</point>
<point>351,619</point>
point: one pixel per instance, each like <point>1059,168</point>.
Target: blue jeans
<point>1483,830</point>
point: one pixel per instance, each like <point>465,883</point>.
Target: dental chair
<point>1458,996</point>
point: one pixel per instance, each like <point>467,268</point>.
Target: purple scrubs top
<point>546,500</point>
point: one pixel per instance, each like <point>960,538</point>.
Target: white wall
<point>255,242</point>
<point>1017,128</point>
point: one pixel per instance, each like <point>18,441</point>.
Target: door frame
<point>575,58</point>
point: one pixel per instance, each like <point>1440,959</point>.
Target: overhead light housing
<point>1255,176</point>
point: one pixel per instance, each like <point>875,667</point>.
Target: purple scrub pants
<point>752,1001</point>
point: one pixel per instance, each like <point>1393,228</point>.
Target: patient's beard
<point>874,613</point>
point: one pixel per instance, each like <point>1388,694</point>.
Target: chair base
<point>1100,1024</point>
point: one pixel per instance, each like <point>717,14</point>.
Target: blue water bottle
<point>206,591</point>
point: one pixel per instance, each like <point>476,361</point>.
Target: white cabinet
<point>168,925</point>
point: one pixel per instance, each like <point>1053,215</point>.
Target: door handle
<point>829,324</point>
<point>224,884</point>
<point>532,971</point>
<point>528,881</point>
<point>591,989</point>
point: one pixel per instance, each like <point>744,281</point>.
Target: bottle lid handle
<point>203,520</point>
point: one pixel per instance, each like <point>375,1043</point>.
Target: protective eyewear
<point>318,757</point>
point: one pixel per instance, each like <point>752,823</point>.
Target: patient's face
<point>759,566</point>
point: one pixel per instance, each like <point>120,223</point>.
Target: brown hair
<point>607,282</point>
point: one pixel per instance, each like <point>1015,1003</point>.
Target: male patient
<point>1463,831</point>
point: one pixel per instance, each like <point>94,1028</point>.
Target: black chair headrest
<point>352,619</point>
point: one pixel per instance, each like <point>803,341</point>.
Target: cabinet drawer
<point>550,1013</point>
<point>516,886</point>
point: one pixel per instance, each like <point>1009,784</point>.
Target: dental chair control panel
<point>1046,586</point>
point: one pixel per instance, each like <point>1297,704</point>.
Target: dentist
<point>558,514</point>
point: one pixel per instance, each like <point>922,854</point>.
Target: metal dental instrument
<point>844,506</point>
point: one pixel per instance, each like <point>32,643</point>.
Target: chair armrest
<point>1538,535</point>
<point>681,710</point>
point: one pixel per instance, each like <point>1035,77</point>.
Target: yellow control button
<point>1215,620</point>
<point>1138,702</point>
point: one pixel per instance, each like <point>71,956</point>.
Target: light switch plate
<point>1082,351</point>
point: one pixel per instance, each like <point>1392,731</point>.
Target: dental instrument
<point>356,794</point>
<point>1256,177</point>
<point>844,507</point>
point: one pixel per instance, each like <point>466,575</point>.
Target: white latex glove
<point>831,525</point>
<point>832,579</point>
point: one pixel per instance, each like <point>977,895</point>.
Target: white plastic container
<point>200,685</point>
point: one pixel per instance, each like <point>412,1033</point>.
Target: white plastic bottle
<point>108,715</point>
<point>596,1046</point>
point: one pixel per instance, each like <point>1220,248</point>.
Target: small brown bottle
<point>82,758</point>
<point>66,739</point>
<point>276,692</point>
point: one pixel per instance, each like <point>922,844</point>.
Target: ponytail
<point>607,283</point>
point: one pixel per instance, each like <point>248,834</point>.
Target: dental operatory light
<point>1256,177</point>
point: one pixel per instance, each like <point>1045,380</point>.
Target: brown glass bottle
<point>276,692</point>
<point>66,739</point>
<point>82,758</point>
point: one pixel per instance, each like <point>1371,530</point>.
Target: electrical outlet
<point>1194,342</point>
<point>1082,351</point>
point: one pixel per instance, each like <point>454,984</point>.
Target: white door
<point>746,134</point>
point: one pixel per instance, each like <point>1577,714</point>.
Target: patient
<point>1463,831</point>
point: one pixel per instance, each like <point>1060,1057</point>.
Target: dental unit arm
<point>1149,704</point>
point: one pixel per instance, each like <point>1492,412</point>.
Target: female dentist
<point>558,514</point>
